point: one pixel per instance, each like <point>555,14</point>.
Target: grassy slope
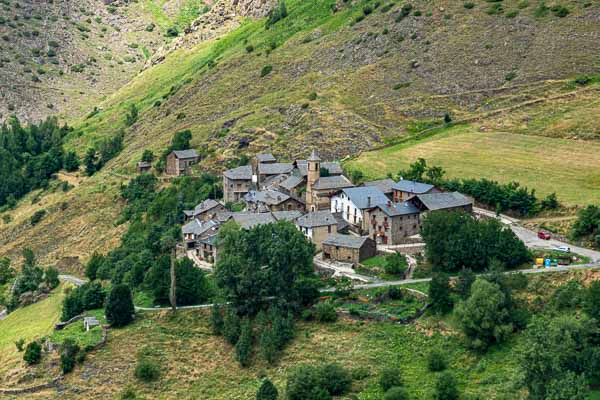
<point>28,323</point>
<point>569,168</point>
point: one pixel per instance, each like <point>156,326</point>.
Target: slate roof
<point>287,215</point>
<point>265,158</point>
<point>396,209</point>
<point>317,218</point>
<point>250,220</point>
<point>350,241</point>
<point>275,168</point>
<point>332,182</point>
<point>412,187</point>
<point>441,201</point>
<point>291,182</point>
<point>314,156</point>
<point>206,205</point>
<point>191,153</point>
<point>144,164</point>
<point>198,228</point>
<point>269,197</point>
<point>365,196</point>
<point>385,185</point>
<point>342,224</point>
<point>333,167</point>
<point>240,173</point>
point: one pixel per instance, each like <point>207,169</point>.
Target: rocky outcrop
<point>253,8</point>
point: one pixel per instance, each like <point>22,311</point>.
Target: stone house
<point>196,230</point>
<point>446,201</point>
<point>236,183</point>
<point>180,161</point>
<point>143,167</point>
<point>390,223</point>
<point>317,226</point>
<point>352,202</point>
<point>271,200</point>
<point>349,248</point>
<point>405,190</point>
<point>206,210</point>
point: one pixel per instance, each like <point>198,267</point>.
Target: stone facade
<point>391,229</point>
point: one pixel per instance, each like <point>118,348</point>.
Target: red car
<point>544,235</point>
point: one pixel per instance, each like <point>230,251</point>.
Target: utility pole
<point>172,292</point>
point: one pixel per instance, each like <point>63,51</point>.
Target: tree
<point>19,344</point>
<point>181,140</point>
<point>464,282</point>
<point>191,284</point>
<point>592,301</point>
<point>33,353</point>
<point>119,306</point>
<point>556,352</point>
<point>269,344</point>
<point>267,391</point>
<point>95,262</point>
<point>147,370</point>
<point>89,161</point>
<point>395,264</point>
<point>485,316</point>
<point>415,171</point>
<point>71,161</point>
<point>396,393</point>
<point>147,156</point>
<point>550,202</point>
<point>445,388</point>
<point>439,293</point>
<point>436,360</point>
<point>6,272</point>
<point>231,326</point>
<point>243,347</point>
<point>390,377</point>
<point>283,263</point>
<point>51,277</point>
<point>335,378</point>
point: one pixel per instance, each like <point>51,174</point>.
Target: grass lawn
<point>568,167</point>
<point>29,323</point>
<point>76,331</point>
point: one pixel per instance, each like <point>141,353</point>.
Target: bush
<point>68,355</point>
<point>266,70</point>
<point>33,353</point>
<point>119,306</point>
<point>37,217</point>
<point>267,391</point>
<point>172,32</point>
<point>304,383</point>
<point>216,320</point>
<point>445,388</point>
<point>336,379</point>
<point>469,5</point>
<point>249,48</point>
<point>325,312</point>
<point>395,293</point>
<point>396,393</point>
<point>147,370</point>
<point>436,361</point>
<point>20,344</point>
<point>389,378</point>
<point>231,327</point>
<point>439,293</point>
<point>395,264</point>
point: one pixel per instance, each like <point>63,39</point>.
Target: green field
<point>28,323</point>
<point>568,167</point>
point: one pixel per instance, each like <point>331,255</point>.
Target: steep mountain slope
<point>341,76</point>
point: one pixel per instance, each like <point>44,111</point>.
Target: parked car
<point>544,235</point>
<point>564,249</point>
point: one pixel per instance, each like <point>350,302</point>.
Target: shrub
<point>33,353</point>
<point>325,312</point>
<point>231,327</point>
<point>172,32</point>
<point>249,48</point>
<point>68,355</point>
<point>20,344</point>
<point>216,320</point>
<point>395,293</point>
<point>336,379</point>
<point>243,347</point>
<point>395,264</point>
<point>560,11</point>
<point>267,391</point>
<point>304,383</point>
<point>119,306</point>
<point>445,388</point>
<point>389,378</point>
<point>266,70</point>
<point>512,13</point>
<point>37,217</point>
<point>469,5</point>
<point>396,393</point>
<point>439,293</point>
<point>436,361</point>
<point>510,76</point>
<point>312,96</point>
<point>147,370</point>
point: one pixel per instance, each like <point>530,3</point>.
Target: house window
<point>329,229</point>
